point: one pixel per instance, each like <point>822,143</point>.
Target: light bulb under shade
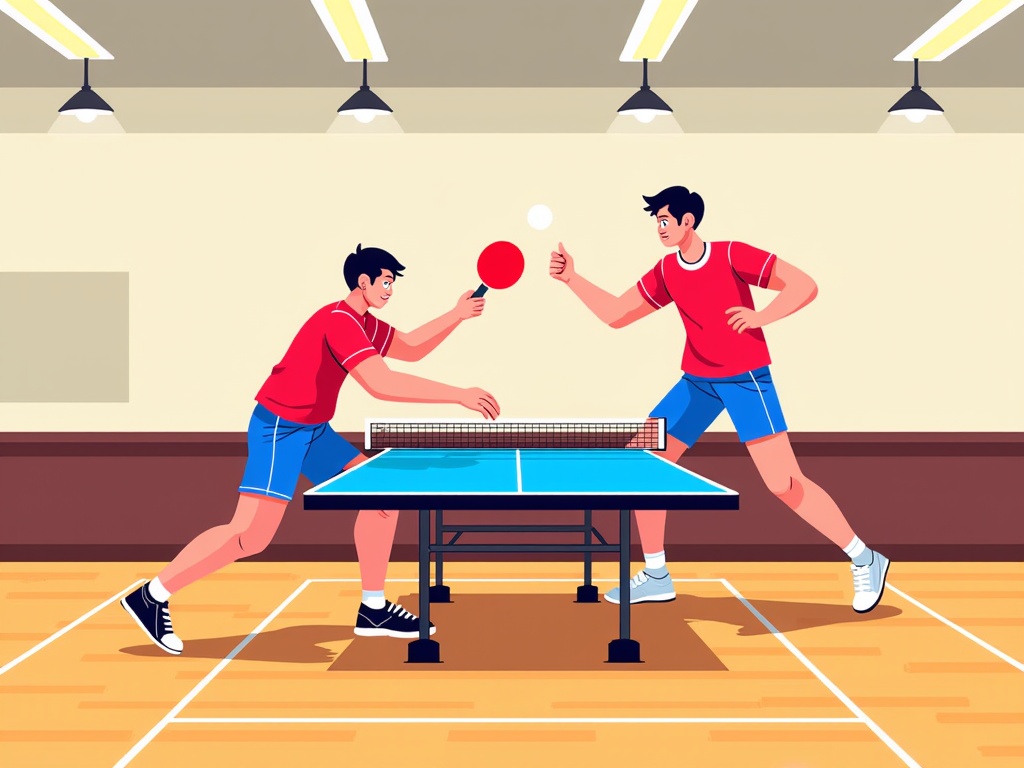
<point>86,105</point>
<point>643,115</point>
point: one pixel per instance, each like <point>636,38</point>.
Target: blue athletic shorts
<point>749,398</point>
<point>281,450</point>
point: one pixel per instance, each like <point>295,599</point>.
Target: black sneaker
<point>390,621</point>
<point>154,618</point>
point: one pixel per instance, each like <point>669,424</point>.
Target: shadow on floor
<point>533,632</point>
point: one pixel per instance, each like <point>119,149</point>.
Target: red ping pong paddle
<point>500,266</point>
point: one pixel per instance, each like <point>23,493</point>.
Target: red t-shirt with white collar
<point>702,292</point>
<point>304,386</point>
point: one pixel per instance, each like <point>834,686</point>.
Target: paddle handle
<point>480,291</point>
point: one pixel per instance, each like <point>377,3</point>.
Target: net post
<point>662,444</point>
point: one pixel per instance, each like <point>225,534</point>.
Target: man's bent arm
<point>796,290</point>
<point>417,344</point>
<point>383,383</point>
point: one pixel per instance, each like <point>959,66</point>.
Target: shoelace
<point>861,578</point>
<point>639,579</point>
<point>165,617</point>
<point>402,613</point>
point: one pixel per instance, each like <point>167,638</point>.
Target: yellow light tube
<point>967,20</point>
<point>351,28</point>
<point>47,22</point>
<point>656,28</point>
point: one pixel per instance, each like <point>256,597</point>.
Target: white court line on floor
<point>836,691</point>
<point>64,630</point>
<point>172,716</point>
<point>973,638</point>
<point>156,729</point>
<point>508,720</point>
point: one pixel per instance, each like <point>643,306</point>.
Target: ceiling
<point>524,44</point>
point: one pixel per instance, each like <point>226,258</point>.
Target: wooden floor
<point>756,664</point>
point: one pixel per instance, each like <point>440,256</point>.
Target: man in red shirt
<point>725,367</point>
<point>290,434</point>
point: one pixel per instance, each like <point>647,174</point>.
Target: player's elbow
<point>373,378</point>
<point>624,317</point>
<point>415,354</point>
<point>812,290</point>
<point>620,322</point>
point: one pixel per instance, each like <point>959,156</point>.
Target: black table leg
<point>439,593</point>
<point>624,650</point>
<point>424,650</point>
<point>588,592</point>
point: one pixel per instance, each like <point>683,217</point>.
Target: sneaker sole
<point>155,642</point>
<point>651,599</point>
<point>881,592</point>
<point>374,632</point>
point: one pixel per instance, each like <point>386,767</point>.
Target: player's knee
<point>254,540</point>
<point>789,488</point>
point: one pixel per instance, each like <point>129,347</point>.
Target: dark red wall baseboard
<point>142,496</point>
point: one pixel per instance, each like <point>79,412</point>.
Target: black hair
<point>680,201</point>
<point>370,262</point>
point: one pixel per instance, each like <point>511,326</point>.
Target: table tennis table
<point>438,465</point>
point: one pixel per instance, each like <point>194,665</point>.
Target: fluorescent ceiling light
<point>351,28</point>
<point>47,22</point>
<point>967,20</point>
<point>656,28</point>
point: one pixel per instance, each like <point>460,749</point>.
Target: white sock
<point>855,548</point>
<point>158,591</point>
<point>655,560</point>
<point>372,599</point>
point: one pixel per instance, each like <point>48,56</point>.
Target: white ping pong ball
<point>539,217</point>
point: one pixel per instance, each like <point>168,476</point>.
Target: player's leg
<point>688,409</point>
<point>650,523</point>
<point>374,534</point>
<point>276,448</point>
<point>754,407</point>
<point>249,532</point>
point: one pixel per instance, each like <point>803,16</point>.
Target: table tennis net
<point>639,434</point>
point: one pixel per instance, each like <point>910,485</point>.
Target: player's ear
<point>364,282</point>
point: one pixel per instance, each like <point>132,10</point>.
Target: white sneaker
<point>869,582</point>
<point>644,588</point>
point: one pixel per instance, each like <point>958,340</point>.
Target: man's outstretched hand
<point>562,267</point>
<point>480,401</point>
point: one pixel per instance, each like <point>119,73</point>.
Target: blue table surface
<point>547,471</point>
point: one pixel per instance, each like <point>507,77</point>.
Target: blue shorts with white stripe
<point>281,450</point>
<point>749,398</point>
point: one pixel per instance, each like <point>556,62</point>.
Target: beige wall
<point>231,240</point>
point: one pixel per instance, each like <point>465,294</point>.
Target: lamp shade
<point>86,105</point>
<point>645,105</point>
<point>916,105</point>
<point>364,105</point>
